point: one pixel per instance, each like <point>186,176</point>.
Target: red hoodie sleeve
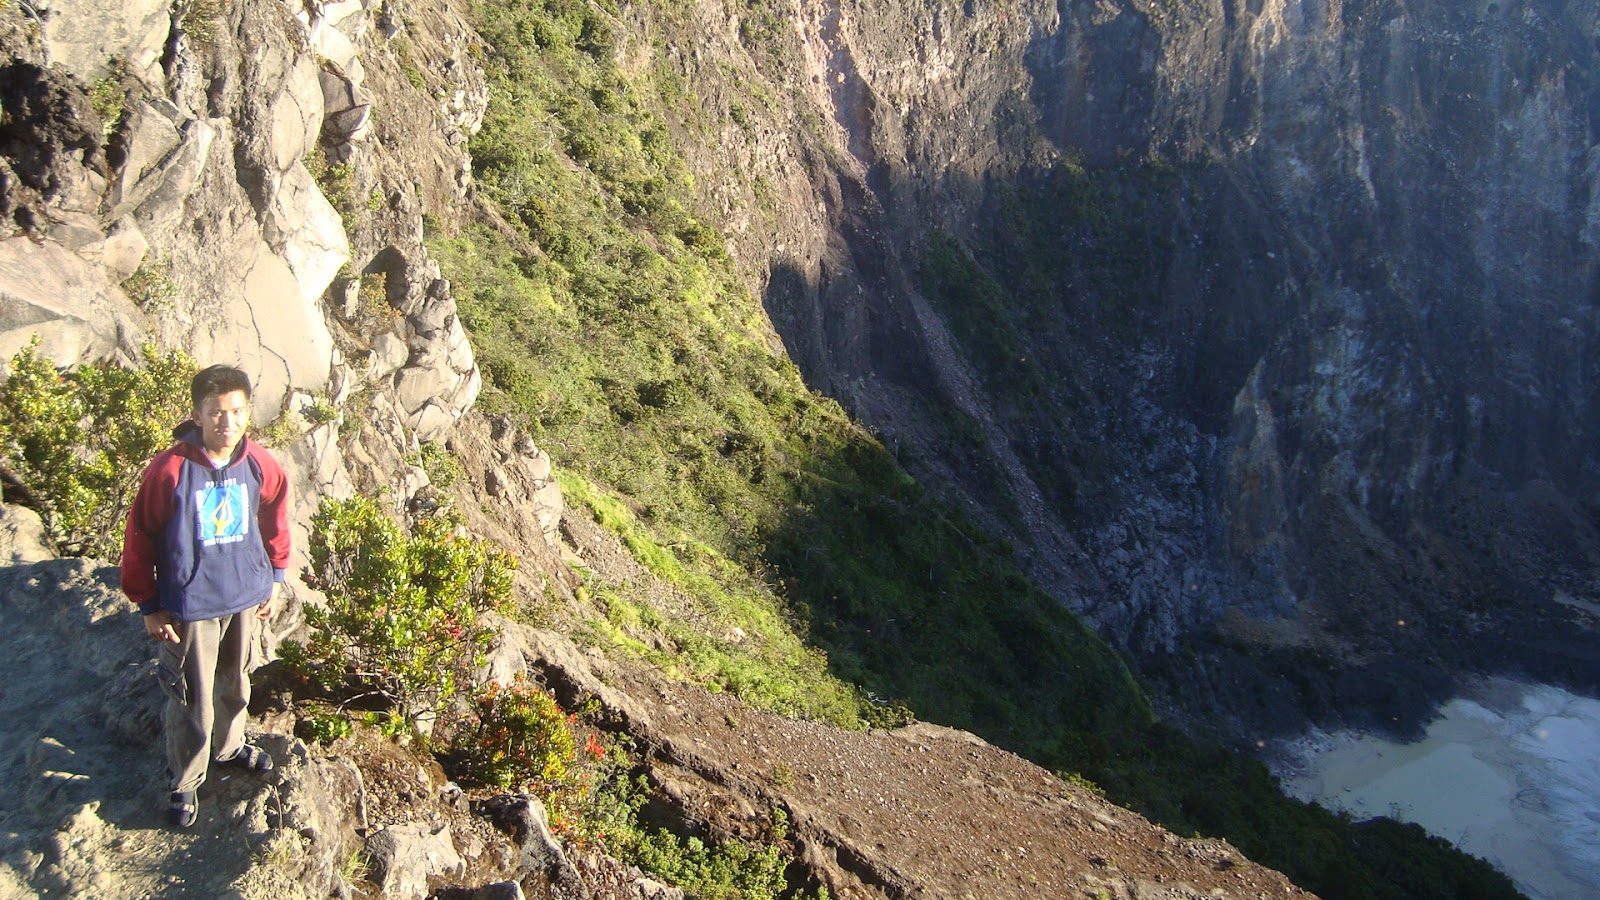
<point>152,507</point>
<point>273,515</point>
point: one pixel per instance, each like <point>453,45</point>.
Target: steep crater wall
<point>1265,329</point>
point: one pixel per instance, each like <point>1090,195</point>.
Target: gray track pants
<point>206,679</point>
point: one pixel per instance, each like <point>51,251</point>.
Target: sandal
<point>183,808</point>
<point>250,757</point>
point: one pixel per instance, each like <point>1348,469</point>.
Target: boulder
<point>318,467</point>
<point>441,380</point>
<point>85,36</point>
<point>347,16</point>
<point>21,536</point>
<point>403,856</point>
<point>50,158</point>
<point>523,817</point>
<point>389,353</point>
<point>333,29</point>
<point>150,135</point>
<point>308,233</point>
<point>77,313</point>
<point>419,385</point>
<point>296,113</point>
<point>123,249</point>
<point>347,107</point>
<point>255,313</point>
<point>500,890</point>
<point>432,422</point>
<point>166,155</point>
<point>76,231</point>
<point>548,506</point>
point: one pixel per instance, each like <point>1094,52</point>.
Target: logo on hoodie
<point>220,508</point>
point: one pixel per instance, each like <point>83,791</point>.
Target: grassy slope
<point>607,316</point>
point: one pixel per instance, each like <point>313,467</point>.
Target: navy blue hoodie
<point>204,541</point>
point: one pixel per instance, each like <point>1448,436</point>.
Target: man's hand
<point>264,611</point>
<point>159,626</point>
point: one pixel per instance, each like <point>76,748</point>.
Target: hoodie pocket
<point>228,580</point>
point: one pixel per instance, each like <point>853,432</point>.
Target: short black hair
<point>214,381</point>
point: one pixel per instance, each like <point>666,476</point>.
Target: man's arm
<point>152,507</point>
<point>272,518</point>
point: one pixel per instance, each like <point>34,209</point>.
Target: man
<point>206,544</point>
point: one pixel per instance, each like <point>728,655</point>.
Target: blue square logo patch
<point>221,510</point>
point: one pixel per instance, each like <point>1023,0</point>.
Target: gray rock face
<point>520,476</point>
<point>51,162</point>
<point>347,107</point>
<point>208,176</point>
<point>1304,292</point>
<point>500,890</point>
<point>85,36</point>
<point>165,153</point>
<point>243,105</point>
<point>48,292</point>
<point>440,379</point>
<point>403,856</point>
<point>21,536</point>
<point>524,818</point>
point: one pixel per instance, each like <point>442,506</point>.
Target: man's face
<point>223,419</point>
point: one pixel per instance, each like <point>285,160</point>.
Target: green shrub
<point>335,180</point>
<point>516,736</point>
<point>328,727</point>
<point>296,421</point>
<point>77,442</point>
<point>202,20</point>
<point>439,464</point>
<point>108,95</point>
<point>734,870</point>
<point>321,411</point>
<point>151,286</point>
<point>402,617</point>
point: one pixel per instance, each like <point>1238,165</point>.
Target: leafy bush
<point>296,421</point>
<point>77,442</point>
<point>151,286</point>
<point>335,180</point>
<point>402,619</point>
<point>441,467</point>
<point>108,95</point>
<point>516,736</point>
<point>328,727</point>
<point>202,20</point>
<point>733,870</point>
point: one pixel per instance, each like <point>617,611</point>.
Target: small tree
<point>402,618</point>
<point>76,443</point>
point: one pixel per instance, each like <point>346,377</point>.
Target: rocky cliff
<point>1264,328</point>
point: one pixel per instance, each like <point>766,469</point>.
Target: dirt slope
<point>923,811</point>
